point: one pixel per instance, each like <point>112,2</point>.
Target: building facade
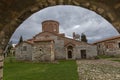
<point>50,45</point>
<point>109,46</point>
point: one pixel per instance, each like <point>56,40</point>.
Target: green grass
<point>116,60</point>
<point>105,56</point>
<point>64,70</point>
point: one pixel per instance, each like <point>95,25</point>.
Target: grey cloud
<point>93,25</point>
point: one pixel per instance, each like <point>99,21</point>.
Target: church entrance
<point>83,54</point>
<point>69,54</point>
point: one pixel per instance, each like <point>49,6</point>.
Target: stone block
<point>34,9</point>
<point>100,10</point>
<point>76,3</point>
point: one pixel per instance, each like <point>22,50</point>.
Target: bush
<point>97,57</point>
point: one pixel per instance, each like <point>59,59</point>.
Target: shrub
<point>97,57</point>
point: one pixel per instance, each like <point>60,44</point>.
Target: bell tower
<point>50,26</point>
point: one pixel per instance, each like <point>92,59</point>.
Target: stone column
<point>1,67</point>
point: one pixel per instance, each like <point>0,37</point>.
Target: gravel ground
<point>98,70</point>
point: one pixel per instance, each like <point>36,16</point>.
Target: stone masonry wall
<point>43,51</point>
<point>59,44</point>
<point>60,49</point>
<point>20,54</point>
<point>1,68</point>
<point>91,51</point>
<point>109,47</point>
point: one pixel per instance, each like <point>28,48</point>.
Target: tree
<point>21,39</point>
<point>7,49</point>
<point>83,37</point>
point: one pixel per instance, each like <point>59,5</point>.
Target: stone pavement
<point>98,70</point>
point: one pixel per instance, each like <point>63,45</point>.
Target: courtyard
<point>103,69</point>
<point>100,69</point>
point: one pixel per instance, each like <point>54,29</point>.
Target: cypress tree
<point>21,39</point>
<point>83,37</point>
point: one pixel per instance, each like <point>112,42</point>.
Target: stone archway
<point>69,52</point>
<point>14,12</point>
<point>25,9</point>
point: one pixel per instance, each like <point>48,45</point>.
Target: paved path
<point>98,70</point>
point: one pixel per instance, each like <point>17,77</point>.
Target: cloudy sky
<point>71,19</point>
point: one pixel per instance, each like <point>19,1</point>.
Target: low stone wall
<point>1,68</point>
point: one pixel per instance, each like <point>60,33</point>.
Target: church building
<point>50,45</point>
<point>109,46</point>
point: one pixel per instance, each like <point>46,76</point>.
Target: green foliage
<point>105,56</point>
<point>83,38</point>
<point>64,70</point>
<point>8,48</point>
<point>21,39</point>
<point>116,60</point>
<point>97,57</point>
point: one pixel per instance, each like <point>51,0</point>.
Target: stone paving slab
<point>98,70</point>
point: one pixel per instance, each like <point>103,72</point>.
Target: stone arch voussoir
<point>9,23</point>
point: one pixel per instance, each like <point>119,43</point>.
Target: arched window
<point>70,48</point>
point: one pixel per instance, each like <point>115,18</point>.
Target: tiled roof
<point>46,40</point>
<point>31,41</point>
<point>56,35</point>
<point>107,39</point>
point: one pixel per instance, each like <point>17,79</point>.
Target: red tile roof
<point>107,39</point>
<point>31,41</point>
<point>47,40</point>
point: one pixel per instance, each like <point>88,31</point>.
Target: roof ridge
<point>106,39</point>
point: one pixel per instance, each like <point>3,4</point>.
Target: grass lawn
<point>116,60</point>
<point>105,56</point>
<point>64,70</point>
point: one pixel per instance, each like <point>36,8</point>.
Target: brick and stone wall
<point>1,68</point>
<point>109,47</point>
<point>22,53</point>
<point>61,50</point>
<point>91,51</point>
<point>50,26</point>
<point>43,51</point>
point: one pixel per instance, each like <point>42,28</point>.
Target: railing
<point>1,68</point>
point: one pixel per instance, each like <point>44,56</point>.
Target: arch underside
<point>14,12</point>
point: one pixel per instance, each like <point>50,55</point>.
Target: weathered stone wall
<point>59,44</point>
<point>43,51</point>
<point>21,54</point>
<point>1,68</point>
<point>46,51</point>
<point>91,51</point>
<point>50,26</point>
<point>61,50</point>
<point>109,47</point>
